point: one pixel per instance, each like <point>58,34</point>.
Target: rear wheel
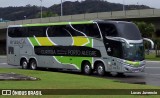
<point>86,69</point>
<point>100,69</point>
<point>33,64</point>
<point>24,64</point>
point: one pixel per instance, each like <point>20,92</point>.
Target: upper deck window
<point>121,29</point>
<point>108,30</point>
<point>129,31</point>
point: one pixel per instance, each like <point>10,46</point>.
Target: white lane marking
<point>152,74</point>
<point>153,67</point>
<point>3,63</point>
<point>155,74</point>
<point>153,61</point>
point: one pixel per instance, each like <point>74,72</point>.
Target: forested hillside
<point>69,8</point>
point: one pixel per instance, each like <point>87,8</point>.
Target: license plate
<point>136,70</point>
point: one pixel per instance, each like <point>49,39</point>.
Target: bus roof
<point>49,24</point>
<point>65,23</point>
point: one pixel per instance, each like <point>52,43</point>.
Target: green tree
<point>47,14</point>
<point>147,29</point>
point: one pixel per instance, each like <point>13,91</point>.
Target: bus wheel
<point>33,64</point>
<point>100,69</point>
<point>86,69</point>
<point>24,64</point>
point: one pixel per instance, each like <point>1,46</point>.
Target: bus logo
<point>6,92</point>
<point>20,42</point>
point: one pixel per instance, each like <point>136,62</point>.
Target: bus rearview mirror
<point>149,40</point>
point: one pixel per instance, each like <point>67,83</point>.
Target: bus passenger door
<point>10,55</point>
<point>16,55</point>
<point>13,55</point>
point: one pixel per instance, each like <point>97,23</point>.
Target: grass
<point>57,80</point>
<point>152,57</point>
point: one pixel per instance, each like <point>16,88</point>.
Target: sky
<point>48,3</point>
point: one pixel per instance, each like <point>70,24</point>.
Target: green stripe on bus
<point>33,40</point>
<point>82,22</point>
<point>58,23</point>
<point>133,63</point>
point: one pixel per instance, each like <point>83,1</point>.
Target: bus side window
<point>93,30</point>
<point>114,51</point>
<point>112,31</point>
<point>31,32</point>
<point>108,30</point>
<point>18,32</point>
<point>11,32</point>
<point>36,31</point>
<point>58,31</point>
<point>77,28</point>
<point>24,32</point>
<point>88,29</point>
<point>54,31</point>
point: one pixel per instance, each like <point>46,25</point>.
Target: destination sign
<point>80,51</point>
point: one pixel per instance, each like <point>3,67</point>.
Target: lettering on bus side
<point>20,42</point>
<point>79,51</point>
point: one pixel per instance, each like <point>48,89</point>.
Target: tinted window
<point>36,31</point>
<point>129,31</point>
<point>17,32</point>
<point>11,32</point>
<point>88,29</point>
<point>58,31</point>
<point>115,48</point>
<point>63,31</point>
<point>74,31</point>
<point>108,30</point>
<point>27,32</point>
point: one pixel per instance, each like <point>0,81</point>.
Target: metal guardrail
<point>90,16</point>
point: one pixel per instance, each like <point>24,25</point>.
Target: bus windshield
<point>128,31</point>
<point>134,53</point>
<point>121,29</point>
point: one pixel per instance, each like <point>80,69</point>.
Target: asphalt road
<point>151,76</point>
<point>3,63</point>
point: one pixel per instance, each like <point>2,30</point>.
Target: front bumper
<point>133,69</point>
<point>133,66</point>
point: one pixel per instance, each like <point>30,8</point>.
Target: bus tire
<point>24,64</point>
<point>100,69</point>
<point>33,64</point>
<point>86,69</point>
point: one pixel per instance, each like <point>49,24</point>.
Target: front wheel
<point>100,69</point>
<point>33,64</point>
<point>86,69</point>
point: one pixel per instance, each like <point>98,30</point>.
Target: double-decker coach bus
<point>86,46</point>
